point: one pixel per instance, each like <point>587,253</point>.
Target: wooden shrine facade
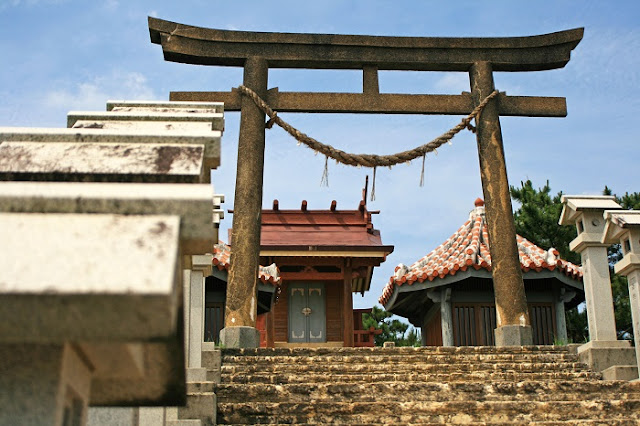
<point>323,257</point>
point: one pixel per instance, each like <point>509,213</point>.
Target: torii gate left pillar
<point>480,57</point>
<point>241,306</point>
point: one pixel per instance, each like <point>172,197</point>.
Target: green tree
<point>393,330</point>
<point>537,220</point>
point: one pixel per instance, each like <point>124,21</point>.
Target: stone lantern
<point>623,227</point>
<point>603,349</point>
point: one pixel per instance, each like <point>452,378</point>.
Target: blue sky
<point>62,55</point>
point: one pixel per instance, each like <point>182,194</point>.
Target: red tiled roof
<point>222,256</point>
<point>467,248</point>
<point>323,230</point>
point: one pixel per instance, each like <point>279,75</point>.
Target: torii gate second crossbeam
<point>480,57</point>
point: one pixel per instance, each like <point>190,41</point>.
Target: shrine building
<point>449,292</point>
<point>322,258</point>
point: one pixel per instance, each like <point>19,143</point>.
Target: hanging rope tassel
<point>373,185</point>
<point>422,172</point>
<point>325,173</point>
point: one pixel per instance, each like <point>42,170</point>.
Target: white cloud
<point>93,95</point>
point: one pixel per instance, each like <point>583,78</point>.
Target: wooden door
<point>307,313</point>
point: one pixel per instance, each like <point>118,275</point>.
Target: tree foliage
<point>393,330</point>
<point>537,220</point>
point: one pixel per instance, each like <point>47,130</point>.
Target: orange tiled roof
<point>467,248</point>
<point>221,259</point>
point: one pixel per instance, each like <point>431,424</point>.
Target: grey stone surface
<point>193,203</point>
<point>620,372</point>
<point>206,137</point>
<point>38,382</point>
<point>600,355</point>
<point>200,406</point>
<point>513,335</point>
<point>196,319</point>
<point>110,162</point>
<point>196,375</point>
<point>240,337</point>
<point>113,416</point>
<point>59,285</point>
<point>184,422</point>
<point>173,106</point>
<point>151,416</point>
<point>212,361</point>
<point>175,127</point>
<point>216,120</point>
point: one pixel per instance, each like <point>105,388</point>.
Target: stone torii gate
<point>480,57</point>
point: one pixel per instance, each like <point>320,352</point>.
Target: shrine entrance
<point>307,313</point>
<point>479,57</point>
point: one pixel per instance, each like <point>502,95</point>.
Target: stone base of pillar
<point>621,372</point>
<point>240,337</point>
<point>602,354</point>
<point>196,375</point>
<point>514,335</point>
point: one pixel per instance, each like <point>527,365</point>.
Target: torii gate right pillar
<point>513,327</point>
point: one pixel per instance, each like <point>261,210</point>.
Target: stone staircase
<point>436,385</point>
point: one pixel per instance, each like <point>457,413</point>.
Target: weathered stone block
<point>102,162</point>
<point>215,120</point>
<point>240,337</point>
<point>513,335</point>
<point>200,406</point>
<point>206,137</point>
<point>163,106</point>
<point>193,203</point>
<point>600,355</point>
<point>88,277</point>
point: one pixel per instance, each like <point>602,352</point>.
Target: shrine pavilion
<point>449,292</point>
<point>322,258</point>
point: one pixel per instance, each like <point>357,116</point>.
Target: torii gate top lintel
<point>206,46</point>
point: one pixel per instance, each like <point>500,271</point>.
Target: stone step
<point>465,350</point>
<point>608,422</point>
<point>395,359</point>
<point>409,377</point>
<point>453,391</point>
<point>420,412</point>
<point>200,387</point>
<point>200,406</point>
<point>422,367</point>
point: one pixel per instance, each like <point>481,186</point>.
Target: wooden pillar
<point>241,306</point>
<point>511,303</point>
<point>347,306</point>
